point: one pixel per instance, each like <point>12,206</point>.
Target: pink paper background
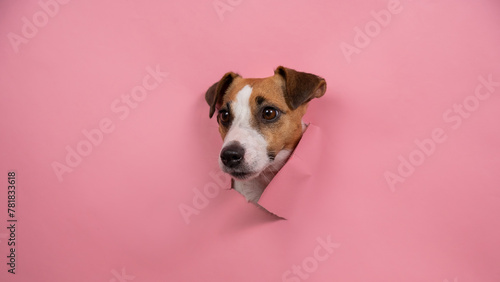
<point>116,216</point>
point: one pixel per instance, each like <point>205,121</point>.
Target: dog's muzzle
<point>232,155</point>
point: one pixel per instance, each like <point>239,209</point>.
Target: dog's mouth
<point>241,175</point>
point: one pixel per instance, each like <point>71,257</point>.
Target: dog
<point>260,122</point>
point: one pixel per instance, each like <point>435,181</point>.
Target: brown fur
<point>278,91</point>
<point>289,92</point>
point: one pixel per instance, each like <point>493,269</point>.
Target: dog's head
<point>260,117</point>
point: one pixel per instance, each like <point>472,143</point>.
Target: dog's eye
<point>270,114</point>
<point>224,117</point>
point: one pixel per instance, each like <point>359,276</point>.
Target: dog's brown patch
<point>284,133</point>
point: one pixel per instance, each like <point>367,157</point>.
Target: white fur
<point>253,189</point>
<point>255,145</point>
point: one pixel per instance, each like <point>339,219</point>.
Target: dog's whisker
<point>266,178</point>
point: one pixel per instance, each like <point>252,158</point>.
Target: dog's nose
<point>232,155</point>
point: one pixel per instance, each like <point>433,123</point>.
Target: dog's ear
<point>300,87</point>
<point>217,90</point>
